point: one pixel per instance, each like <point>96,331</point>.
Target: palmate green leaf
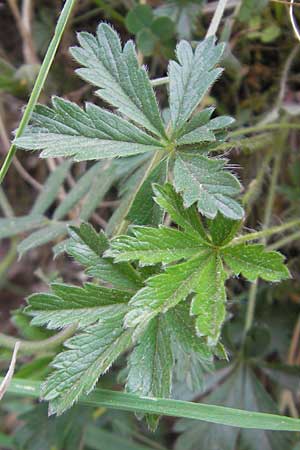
<point>209,302</point>
<point>100,439</point>
<point>241,389</point>
<point>116,71</point>
<point>67,130</point>
<point>72,304</point>
<point>87,246</point>
<point>193,134</point>
<point>164,291</point>
<point>204,181</point>
<point>89,355</point>
<point>222,229</point>
<point>152,246</point>
<point>202,275</point>
<point>187,218</point>
<point>254,261</point>
<point>191,77</point>
<point>38,431</point>
<point>151,364</point>
<point>191,354</point>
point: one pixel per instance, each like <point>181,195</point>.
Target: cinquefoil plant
<point>158,292</point>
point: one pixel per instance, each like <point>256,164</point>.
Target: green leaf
<point>42,236</point>
<point>254,261</point>
<point>165,291</point>
<point>14,225</point>
<point>175,408</point>
<point>222,229</point>
<point>191,78</point>
<point>192,355</point>
<point>152,246</point>
<point>99,188</point>
<point>38,431</point>
<point>195,134</point>
<point>204,180</point>
<point>241,389</point>
<point>209,303</point>
<point>163,28</point>
<point>51,188</point>
<point>197,120</point>
<point>151,364</point>
<point>89,355</point>
<point>182,329</point>
<point>146,41</point>
<point>71,304</point>
<point>143,210</point>
<point>116,71</point>
<point>87,246</point>
<point>100,439</point>
<point>80,189</point>
<point>171,202</point>
<point>139,17</point>
<point>95,133</point>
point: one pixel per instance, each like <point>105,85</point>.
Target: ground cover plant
<point>170,220</point>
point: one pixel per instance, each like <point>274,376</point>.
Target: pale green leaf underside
<point>116,71</point>
<point>67,130</point>
<point>191,77</point>
<point>89,355</point>
<point>71,304</point>
<point>254,261</point>
<point>204,181</point>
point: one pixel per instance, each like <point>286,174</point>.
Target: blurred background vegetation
<point>260,86</point>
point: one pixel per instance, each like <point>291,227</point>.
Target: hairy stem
<point>284,241</point>
<point>217,17</point>
<point>265,233</point>
<point>44,345</point>
<point>267,219</point>
<point>264,127</point>
<point>40,81</point>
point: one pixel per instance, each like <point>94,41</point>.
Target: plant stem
<point>267,218</point>
<point>266,127</point>
<point>250,307</point>
<point>44,345</point>
<point>40,81</point>
<point>266,232</point>
<point>212,30</point>
<point>217,17</point>
<point>284,241</point>
<point>255,186</point>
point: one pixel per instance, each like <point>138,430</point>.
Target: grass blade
<point>175,408</point>
<point>40,81</point>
